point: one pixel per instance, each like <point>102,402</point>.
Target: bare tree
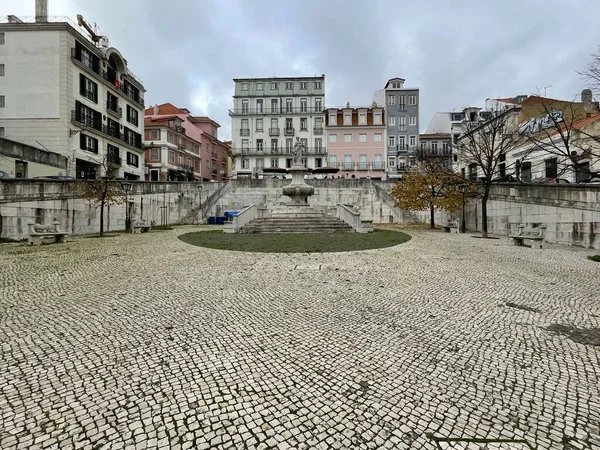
<point>484,146</point>
<point>558,131</point>
<point>102,191</point>
<point>592,72</point>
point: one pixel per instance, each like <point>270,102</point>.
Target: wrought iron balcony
<point>245,132</point>
<point>276,111</point>
<point>318,130</point>
<point>273,131</point>
<point>113,157</point>
<point>266,151</point>
<point>347,166</point>
<point>289,131</point>
<point>362,166</point>
<point>378,166</point>
<point>114,110</point>
<point>112,131</point>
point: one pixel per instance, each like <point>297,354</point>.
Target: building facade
<point>267,116</point>
<point>24,161</point>
<point>65,89</point>
<point>356,141</point>
<point>180,146</point>
<point>402,113</point>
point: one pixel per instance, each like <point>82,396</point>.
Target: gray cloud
<point>457,53</point>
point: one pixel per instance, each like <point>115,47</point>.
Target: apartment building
<point>356,141</point>
<point>65,89</point>
<point>402,112</point>
<point>182,147</point>
<point>267,116</point>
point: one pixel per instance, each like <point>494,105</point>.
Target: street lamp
<point>199,187</point>
<point>126,187</point>
<point>463,191</point>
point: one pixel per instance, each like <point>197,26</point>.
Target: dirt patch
<point>586,336</point>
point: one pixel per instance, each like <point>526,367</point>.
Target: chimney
<point>41,11</point>
<point>156,110</point>
<point>586,96</point>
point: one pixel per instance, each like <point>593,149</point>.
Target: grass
<point>595,258</point>
<point>295,243</point>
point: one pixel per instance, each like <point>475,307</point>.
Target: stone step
<point>282,224</point>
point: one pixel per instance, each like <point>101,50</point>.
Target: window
<point>333,162</point>
<point>332,119</point>
<point>244,86</point>
<point>197,165</point>
<point>88,143</point>
<point>197,149</point>
<point>362,119</point>
<point>289,85</point>
<point>259,86</point>
<point>86,58</point>
<point>318,144</point>
<point>402,102</point>
<point>275,124</point>
<point>132,115</point>
<point>244,124</point>
<point>170,138</point>
<point>348,162</point>
<point>378,137</point>
<point>274,86</point>
<point>551,167</point>
<point>446,147</point>
<point>303,85</point>
<point>363,162</point>
<point>259,124</point>
<point>259,145</point>
<point>2,101</point>
<point>1,70</point>
<point>401,142</point>
<point>288,124</point>
<point>392,161</point>
<point>434,148</point>
<point>526,172</point>
<point>347,138</point>
<point>289,146</point>
<point>362,137</point>
<point>392,120</point>
<point>378,162</point>
<point>318,123</point>
<point>275,162</point>
<point>377,119</point>
<point>260,163</point>
<point>1,132</point>
<point>172,157</point>
<point>154,135</point>
<point>303,105</point>
<point>88,88</point>
<point>402,123</point>
<point>274,106</point>
<point>274,145</point>
<point>288,105</point>
<point>318,104</point>
<point>179,160</point>
<point>412,141</point>
<point>391,99</point>
<point>245,163</point>
<point>473,171</point>
<point>171,123</point>
<point>259,106</point>
<point>154,154</point>
<point>1,38</point>
<point>333,138</point>
<point>412,100</point>
<point>288,163</point>
<point>245,144</point>
<point>391,141</point>
<point>318,85</point>
<point>347,119</point>
<point>412,121</point>
<point>303,124</point>
<point>244,106</point>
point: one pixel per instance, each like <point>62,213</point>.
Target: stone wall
<point>42,201</point>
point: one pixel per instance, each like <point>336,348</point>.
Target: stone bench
<point>535,235</point>
<point>38,232</point>
<point>140,226</point>
<point>452,227</point>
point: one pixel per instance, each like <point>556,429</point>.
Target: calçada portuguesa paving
<point>143,341</point>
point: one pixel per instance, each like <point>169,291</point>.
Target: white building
<point>267,116</point>
<point>63,88</point>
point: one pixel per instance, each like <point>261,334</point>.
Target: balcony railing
<point>112,131</point>
<point>258,151</point>
<point>289,131</point>
<point>113,157</point>
<point>378,166</point>
<point>273,131</point>
<point>347,166</point>
<point>245,132</point>
<point>114,110</point>
<point>86,121</point>
<point>278,111</point>
<point>318,130</point>
<point>333,164</point>
<point>362,166</point>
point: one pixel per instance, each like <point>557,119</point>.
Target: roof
<point>440,123</point>
<point>280,78</point>
<point>580,124</point>
<point>435,135</point>
<point>204,119</point>
<point>394,79</point>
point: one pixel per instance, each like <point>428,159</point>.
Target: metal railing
<point>258,151</point>
<point>318,130</point>
<point>113,157</point>
<point>114,110</point>
<point>273,131</point>
<point>289,131</point>
<point>271,111</point>
<point>87,122</point>
<point>347,166</point>
<point>245,132</point>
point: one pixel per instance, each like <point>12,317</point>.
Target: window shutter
<point>96,63</point>
<point>96,92</point>
<point>97,120</point>
<point>82,141</point>
<point>95,144</point>
<point>78,50</point>
<point>81,84</point>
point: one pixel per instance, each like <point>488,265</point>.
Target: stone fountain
<point>298,191</point>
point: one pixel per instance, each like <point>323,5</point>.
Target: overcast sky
<point>457,52</point>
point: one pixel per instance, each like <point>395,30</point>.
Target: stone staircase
<point>301,224</point>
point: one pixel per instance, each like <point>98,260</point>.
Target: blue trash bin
<point>220,220</point>
<point>212,220</point>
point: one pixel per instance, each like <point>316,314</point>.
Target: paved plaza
<point>145,342</point>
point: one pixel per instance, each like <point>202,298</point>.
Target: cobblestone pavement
<point>143,341</point>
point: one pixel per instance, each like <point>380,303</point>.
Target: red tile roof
<point>580,124</point>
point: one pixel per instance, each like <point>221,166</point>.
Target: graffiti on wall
<point>537,124</point>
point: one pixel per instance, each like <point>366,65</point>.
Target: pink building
<point>356,141</point>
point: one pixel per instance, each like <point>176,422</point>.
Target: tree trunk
<point>484,224</point>
<point>431,216</point>
<point>102,216</point>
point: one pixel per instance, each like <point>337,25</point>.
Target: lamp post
<point>126,187</point>
<point>463,191</point>
<point>199,187</point>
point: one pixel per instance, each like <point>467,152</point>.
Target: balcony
<point>378,166</point>
<point>362,166</point>
<point>113,158</point>
<point>85,121</point>
<point>273,131</point>
<point>245,132</point>
<point>333,164</point>
<point>318,130</point>
<point>180,130</point>
<point>289,131</point>
<point>112,131</point>
<point>114,110</point>
<point>347,166</point>
<point>275,111</point>
<point>278,151</point>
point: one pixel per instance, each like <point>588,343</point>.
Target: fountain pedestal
<point>298,191</point>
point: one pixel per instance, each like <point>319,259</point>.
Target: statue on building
<point>299,149</point>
